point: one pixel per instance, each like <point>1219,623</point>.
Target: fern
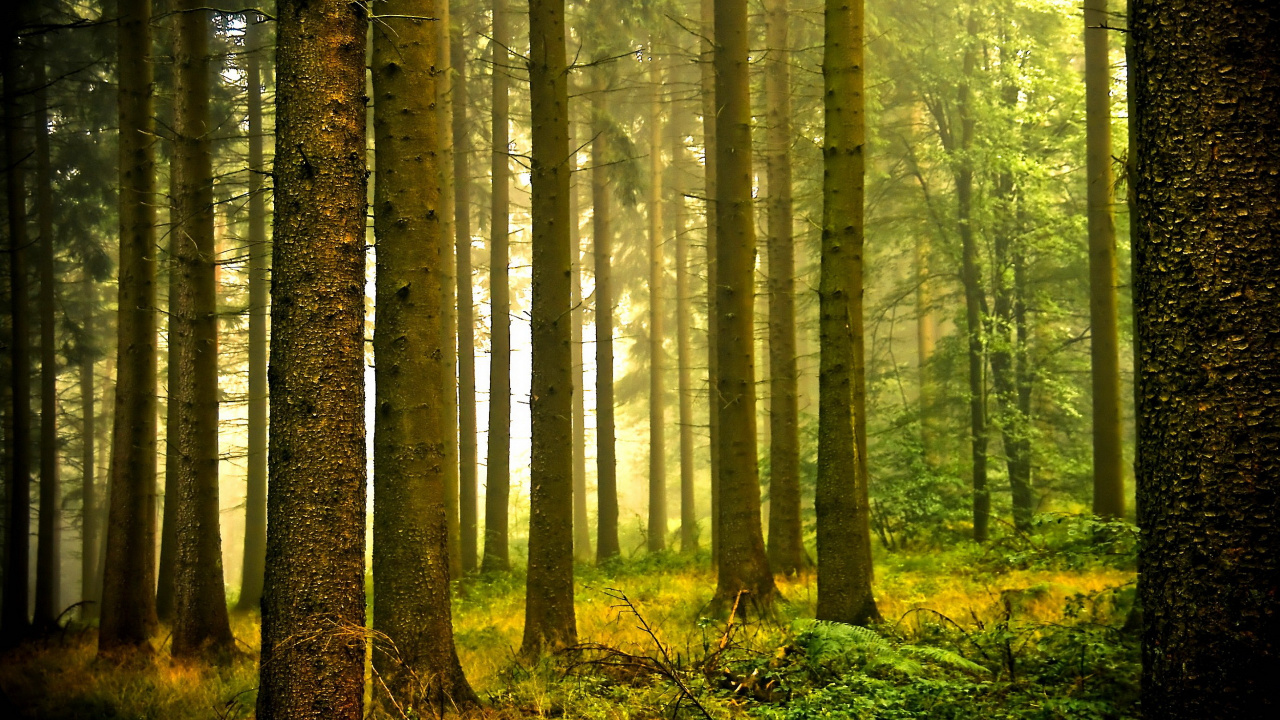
<point>837,647</point>
<point>946,658</point>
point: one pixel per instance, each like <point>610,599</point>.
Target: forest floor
<point>1030,632</point>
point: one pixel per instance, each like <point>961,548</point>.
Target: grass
<point>1045,634</point>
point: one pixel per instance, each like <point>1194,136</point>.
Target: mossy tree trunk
<point>844,535</point>
<point>1205,83</point>
<point>313,605</point>
<point>411,563</point>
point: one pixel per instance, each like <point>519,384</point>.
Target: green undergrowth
<point>1032,625</point>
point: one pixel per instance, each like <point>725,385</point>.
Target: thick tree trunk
<point>49,538</point>
<point>411,565</point>
<point>129,580</point>
<point>1205,80</point>
<point>255,513</point>
<point>467,517</point>
<point>1108,456</point>
<point>709,108</point>
<point>786,547</point>
<point>549,617</point>
<point>657,528</point>
<point>14,617</point>
<point>743,566</point>
<point>602,239</point>
<point>498,469</point>
<point>844,536</point>
<point>313,605</point>
<point>200,605</point>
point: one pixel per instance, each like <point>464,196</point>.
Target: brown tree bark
<point>498,468</point>
<point>549,615</point>
<point>14,618</point>
<point>313,605</point>
<point>129,580</point>
<point>844,536</point>
<point>467,515</point>
<point>90,545</point>
<point>602,239</point>
<point>1205,83</point>
<point>786,546</point>
<point>411,564</point>
<point>1104,334</point>
<point>200,605</point>
<point>449,329</point>
<point>255,502</point>
<point>742,564</point>
<point>657,526</point>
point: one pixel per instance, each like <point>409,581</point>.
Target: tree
<point>313,604</point>
<point>467,510</point>
<point>411,568</point>
<point>844,537</point>
<point>709,113</point>
<point>90,544</point>
<point>677,130</point>
<point>200,606</point>
<point>657,529</point>
<point>15,619</point>
<point>1204,84</point>
<point>581,531</point>
<point>602,240</point>
<point>449,327</point>
<point>129,580</point>
<point>742,564</point>
<point>255,502</point>
<point>498,471</point>
<point>786,547</point>
<point>549,616</point>
<point>1108,458</point>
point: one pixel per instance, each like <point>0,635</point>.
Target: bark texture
<point>602,239</point>
<point>1205,82</point>
<point>313,606</point>
<point>709,108</point>
<point>129,579</point>
<point>415,655</point>
<point>549,616</point>
<point>742,564</point>
<point>844,535</point>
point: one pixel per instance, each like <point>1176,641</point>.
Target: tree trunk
<point>602,238</point>
<point>786,547</point>
<point>657,529</point>
<point>1104,353</point>
<point>1205,80</point>
<point>86,352</point>
<point>581,531</point>
<point>680,171</point>
<point>498,470</point>
<point>255,513</point>
<point>709,109</point>
<point>844,535</point>
<point>313,604</point>
<point>743,566</point>
<point>49,540</point>
<point>467,517</point>
<point>129,580</point>
<point>200,605</point>
<point>549,617</point>
<point>449,330</point>
<point>14,616</point>
<point>411,563</point>
<point>926,334</point>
